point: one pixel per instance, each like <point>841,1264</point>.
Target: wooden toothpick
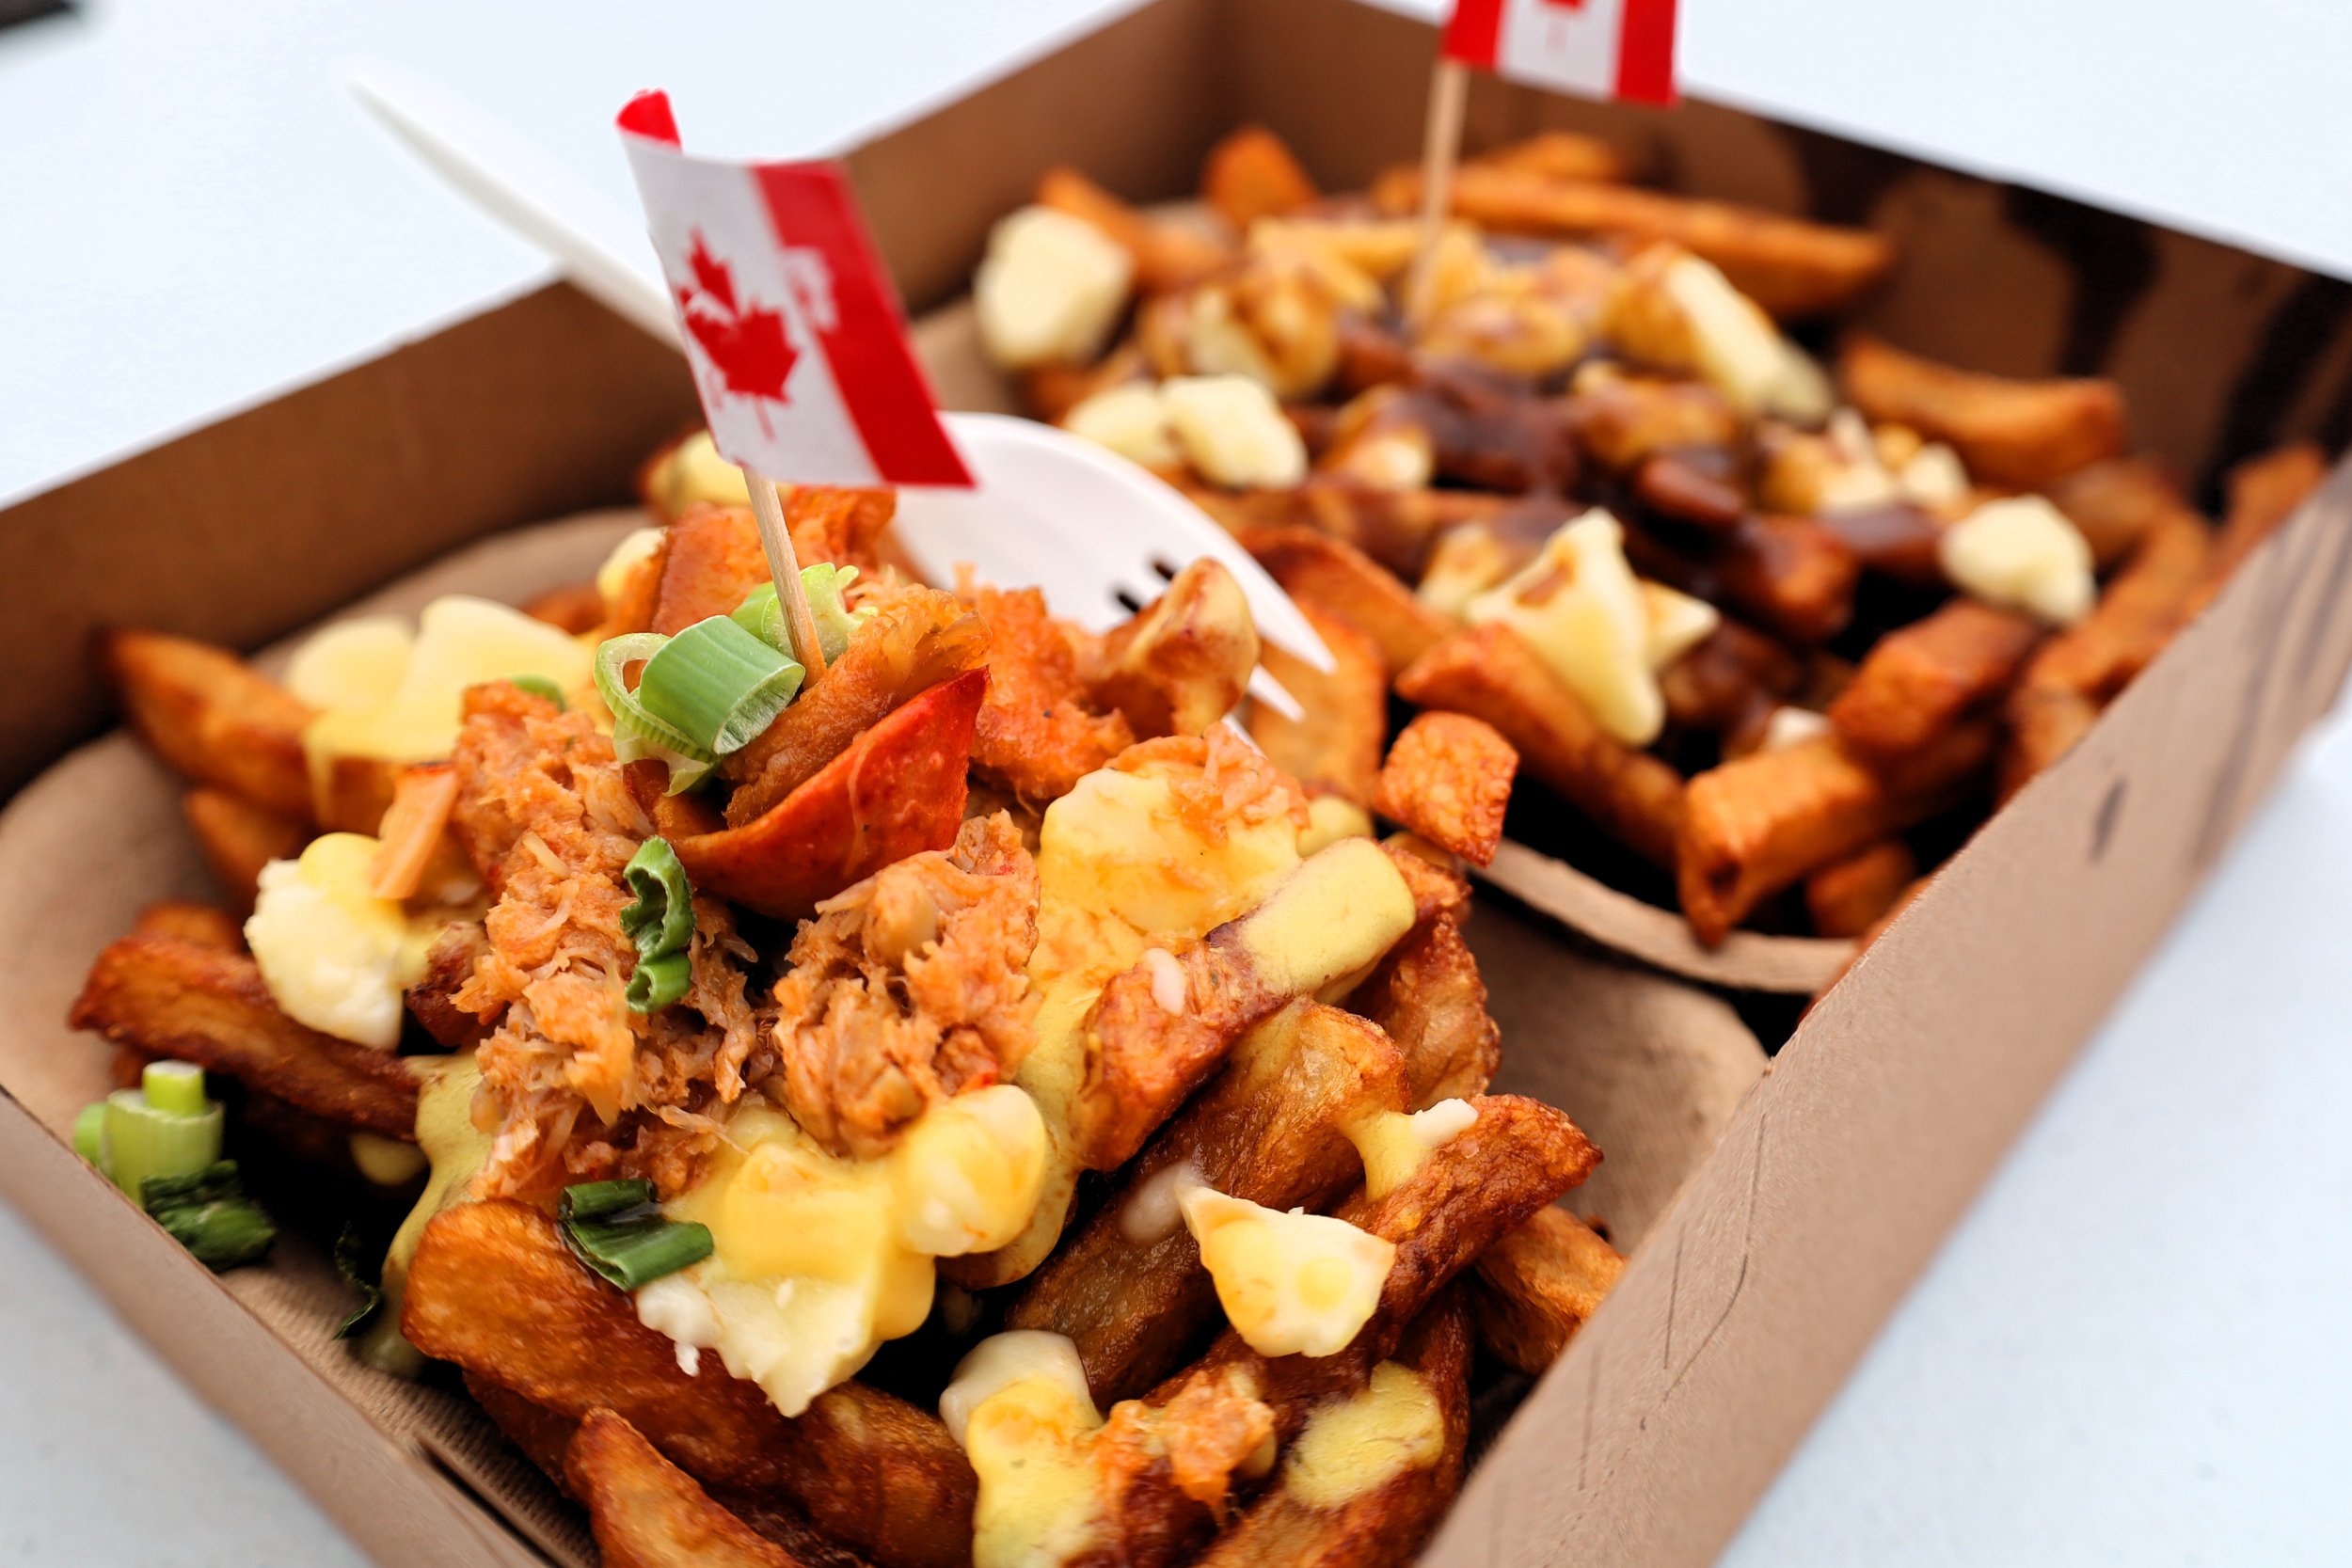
<point>783,564</point>
<point>1441,148</point>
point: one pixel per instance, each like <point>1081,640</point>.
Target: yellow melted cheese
<point>1291,1284</point>
<point>1393,1143</point>
<point>455,1149</point>
<point>335,957</point>
<point>1358,1445</point>
<point>1029,1442</point>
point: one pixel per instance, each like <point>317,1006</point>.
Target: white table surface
<point>2130,1351</point>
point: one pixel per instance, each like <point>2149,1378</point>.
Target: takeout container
<point>1775,1215</point>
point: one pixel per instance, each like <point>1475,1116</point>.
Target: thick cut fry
<point>1429,998</point>
<point>1181,663</point>
<point>2044,722</point>
<point>1384,1497</point>
<point>200,924</point>
<point>1534,1289</point>
<point>1128,1288</point>
<point>351,794</point>
<point>198,1003</point>
<point>1760,823</point>
<point>2264,492</point>
<point>647,1512</point>
<point>1622,421</point>
<point>1167,255</point>
<point>1559,155</point>
<point>1489,673</point>
<point>1448,779</point>
<point>577,608</point>
<point>1787,265</point>
<point>1336,745</point>
<point>1037,733</point>
<point>2022,433</point>
<point>2114,505</point>
<point>1849,895</point>
<point>212,718</point>
<point>1923,678</point>
<point>238,838</point>
<point>493,1290</point>
<point>1346,581</point>
<point>543,1435</point>
<point>1251,175</point>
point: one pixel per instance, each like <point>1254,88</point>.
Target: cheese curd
<point>336,958</point>
<point>1050,288</point>
<point>1130,421</point>
<point>1291,1284</point>
<point>1231,429</point>
<point>2021,553</point>
<point>1677,622</point>
<point>1697,319</point>
<point>1001,1360</point>
<point>1355,1446</point>
<point>1030,1442</point>
<point>1580,607</point>
<point>1393,1143</point>
<point>816,1260</point>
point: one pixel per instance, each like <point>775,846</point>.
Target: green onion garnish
<point>174,1086</point>
<point>90,1134</point>
<point>539,686</point>
<point>717,684</point>
<point>165,1127</point>
<point>353,1262</point>
<point>207,1212</point>
<point>661,924</point>
<point>614,1228</point>
<point>658,982</point>
<point>762,614</point>
<point>637,732</point>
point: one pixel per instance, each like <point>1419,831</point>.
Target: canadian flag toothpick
<point>792,331</point>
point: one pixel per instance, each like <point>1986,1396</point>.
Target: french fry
<point>1792,575</point>
<point>493,1290</point>
<point>1167,255</point>
<point>1379,1513</point>
<point>1350,584</point>
<point>1897,541</point>
<point>1250,175</point>
<point>1394,527</point>
<point>1052,390</point>
<point>197,1003</point>
<point>211,717</point>
<point>647,1512</point>
<point>543,1435</point>
<point>1181,663</point>
<point>1428,997</point>
<point>1431,876</point>
<point>2263,492</point>
<point>1849,895</point>
<point>1448,778</point>
<point>2113,504</point>
<point>1621,421</point>
<point>2027,433</point>
<point>1759,824</point>
<point>1128,1288</point>
<point>203,925</point>
<point>2044,722</point>
<point>1533,1290</point>
<point>1489,673</point>
<point>238,838</point>
<point>1336,746</point>
<point>351,794</point>
<point>1923,678</point>
<point>1558,156</point>
<point>1787,265</point>
<point>577,608</point>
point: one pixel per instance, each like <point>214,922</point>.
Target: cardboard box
<point>1777,1215</point>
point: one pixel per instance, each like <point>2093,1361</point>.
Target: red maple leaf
<point>745,344</point>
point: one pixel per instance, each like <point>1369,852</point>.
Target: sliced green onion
<point>539,686</point>
<point>207,1212</point>
<point>613,1228</point>
<point>658,982</point>
<point>177,1088</point>
<point>143,1140</point>
<point>637,733</point>
<point>761,613</point>
<point>663,918</point>
<point>352,1261</point>
<point>89,1134</point>
<point>717,684</point>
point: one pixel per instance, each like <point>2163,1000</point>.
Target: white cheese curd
<point>1739,348</point>
<point>1050,288</point>
<point>334,956</point>
<point>1155,1208</point>
<point>1291,1284</point>
<point>1001,1360</point>
<point>2021,553</point>
<point>1232,430</point>
<point>1794,727</point>
<point>1580,607</point>
<point>1130,421</point>
<point>355,663</point>
<point>1678,621</point>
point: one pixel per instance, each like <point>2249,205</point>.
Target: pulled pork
<point>910,988</point>
<point>575,1085</point>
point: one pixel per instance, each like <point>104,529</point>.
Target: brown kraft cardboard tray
<point>1775,1214</point>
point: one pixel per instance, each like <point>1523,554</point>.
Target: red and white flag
<point>1598,48</point>
<point>789,319</point>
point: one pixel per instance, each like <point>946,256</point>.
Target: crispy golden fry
<point>1787,265</point>
<point>1037,735</point>
<point>1489,673</point>
<point>2022,433</point>
<point>1558,156</point>
<point>918,638</point>
<point>543,1435</point>
<point>493,1290</point>
<point>1922,679</point>
<point>210,717</point>
<point>1431,876</point>
<point>1849,895</point>
<point>1128,1288</point>
<point>1533,1290</point>
<point>1620,421</point>
<point>647,1512</point>
<point>1336,745</point>
<point>1344,580</point>
<point>1760,823</point>
<point>1448,778</point>
<point>351,794</point>
<point>1181,662</point>
<point>1429,998</point>
<point>577,608</point>
<point>1397,1499</point>
<point>2113,504</point>
<point>201,925</point>
<point>238,838</point>
<point>2264,492</point>
<point>1251,175</point>
<point>171,997</point>
<point>2044,721</point>
<point>1167,255</point>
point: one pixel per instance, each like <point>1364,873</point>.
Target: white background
<point>2133,1351</point>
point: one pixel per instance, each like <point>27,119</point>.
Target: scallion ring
<point>717,684</point>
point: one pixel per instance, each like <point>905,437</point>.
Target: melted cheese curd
<point>333,955</point>
<point>816,1260</point>
<point>1291,1283</point>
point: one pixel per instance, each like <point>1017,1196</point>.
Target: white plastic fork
<point>1098,535</point>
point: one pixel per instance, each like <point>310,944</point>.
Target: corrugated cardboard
<point>1755,1281</point>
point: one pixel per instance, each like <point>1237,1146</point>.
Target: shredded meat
<point>1215,1427</point>
<point>910,988</point>
<point>1038,735</point>
<point>573,1084</point>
